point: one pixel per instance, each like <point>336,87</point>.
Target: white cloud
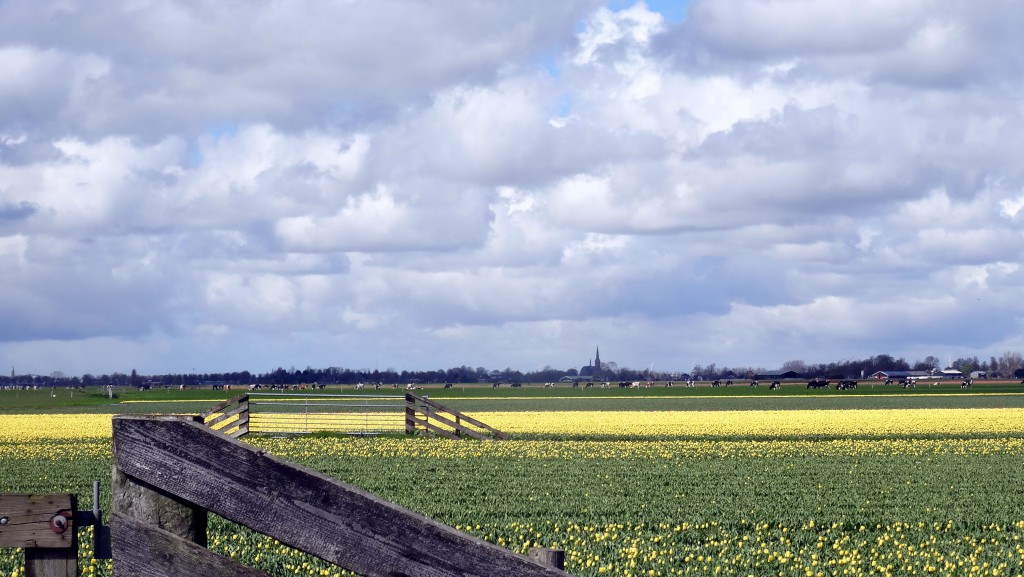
<point>1011,207</point>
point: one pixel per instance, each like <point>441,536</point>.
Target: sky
<point>208,186</point>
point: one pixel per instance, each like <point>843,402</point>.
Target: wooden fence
<point>230,417</point>
<point>423,414</point>
<point>353,414</point>
<point>170,471</point>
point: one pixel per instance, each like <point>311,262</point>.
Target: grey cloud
<point>185,66</point>
<point>921,43</point>
<point>13,212</point>
<point>71,289</point>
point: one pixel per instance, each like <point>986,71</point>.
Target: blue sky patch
<point>671,10</point>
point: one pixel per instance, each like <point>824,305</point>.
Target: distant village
<point>885,367</point>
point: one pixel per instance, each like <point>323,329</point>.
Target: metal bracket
<point>100,532</point>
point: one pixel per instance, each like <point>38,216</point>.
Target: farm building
<point>777,375</point>
<point>900,375</point>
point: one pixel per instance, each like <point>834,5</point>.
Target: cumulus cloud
<point>202,184</point>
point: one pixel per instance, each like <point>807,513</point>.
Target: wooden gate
<point>171,470</point>
<point>355,414</point>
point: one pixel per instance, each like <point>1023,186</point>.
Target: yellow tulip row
<point>757,424</point>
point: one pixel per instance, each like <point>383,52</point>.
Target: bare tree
<point>796,366</point>
<point>1010,362</point>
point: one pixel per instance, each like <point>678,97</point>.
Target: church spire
<point>597,362</point>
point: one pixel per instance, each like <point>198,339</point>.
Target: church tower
<point>597,363</point>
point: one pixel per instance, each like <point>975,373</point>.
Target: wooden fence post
<point>550,557</point>
<point>157,508</point>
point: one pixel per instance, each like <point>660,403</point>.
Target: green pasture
<point>561,397</point>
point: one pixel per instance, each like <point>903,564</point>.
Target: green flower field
<point>651,482</point>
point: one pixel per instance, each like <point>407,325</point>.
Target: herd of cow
<point>841,385</point>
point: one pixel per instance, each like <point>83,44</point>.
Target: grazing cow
<point>447,385</point>
<point>817,383</point>
<point>966,384</point>
<point>549,385</point>
<point>908,383</point>
<point>623,385</point>
<point>588,385</point>
<point>776,385</point>
<point>516,385</point>
<point>846,385</point>
<point>716,383</point>
<point>728,383</point>
<point>753,383</point>
<point>888,381</point>
<point>359,386</point>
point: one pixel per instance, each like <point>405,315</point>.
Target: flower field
<point>788,493</point>
<point>762,424</point>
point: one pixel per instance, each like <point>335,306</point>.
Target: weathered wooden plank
<point>145,551</point>
<point>41,562</point>
<point>226,415</point>
<point>434,428</point>
<point>28,520</point>
<point>223,405</point>
<point>242,425</point>
<point>302,508</point>
<point>460,429</point>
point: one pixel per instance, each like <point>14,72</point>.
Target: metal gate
<point>312,412</point>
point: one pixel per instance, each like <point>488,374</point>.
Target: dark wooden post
<point>51,547</point>
<point>550,557</point>
<point>158,509</point>
<point>410,414</point>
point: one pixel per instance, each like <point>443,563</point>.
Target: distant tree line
<point>1010,364</point>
